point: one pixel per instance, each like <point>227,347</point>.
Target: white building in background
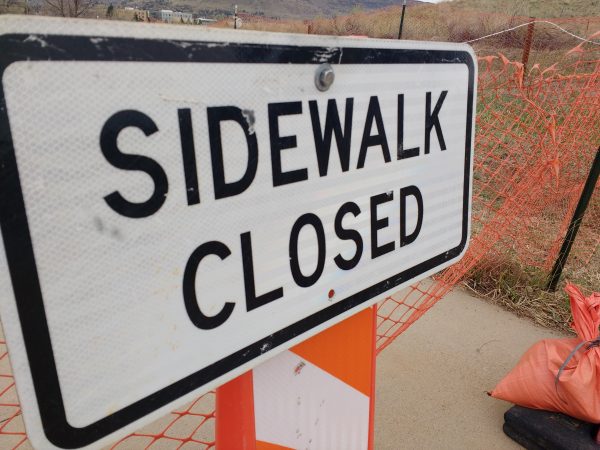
<point>170,16</point>
<point>204,20</point>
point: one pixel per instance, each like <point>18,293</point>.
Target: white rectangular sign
<point>177,204</point>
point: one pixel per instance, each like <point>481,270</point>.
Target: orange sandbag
<point>536,383</point>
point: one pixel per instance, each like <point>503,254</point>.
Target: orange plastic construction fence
<point>537,134</point>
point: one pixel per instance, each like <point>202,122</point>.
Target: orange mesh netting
<point>537,134</point>
<point>191,426</point>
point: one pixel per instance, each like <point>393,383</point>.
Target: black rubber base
<point>543,430</point>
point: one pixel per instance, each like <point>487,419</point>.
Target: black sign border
<point>19,247</point>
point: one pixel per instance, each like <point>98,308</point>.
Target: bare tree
<point>69,8</point>
<point>9,3</point>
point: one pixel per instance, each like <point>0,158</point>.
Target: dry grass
<point>434,22</point>
<point>521,289</point>
<point>537,8</point>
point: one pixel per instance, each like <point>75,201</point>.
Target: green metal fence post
<point>584,200</point>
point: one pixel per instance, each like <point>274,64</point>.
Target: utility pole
<point>235,18</point>
<point>402,19</point>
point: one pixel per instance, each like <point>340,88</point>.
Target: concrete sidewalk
<point>432,381</point>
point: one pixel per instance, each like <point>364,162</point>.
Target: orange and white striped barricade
<point>319,394</point>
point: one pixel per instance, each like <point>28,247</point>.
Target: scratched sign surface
<point>178,205</point>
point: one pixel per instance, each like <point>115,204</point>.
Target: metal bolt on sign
<point>324,77</point>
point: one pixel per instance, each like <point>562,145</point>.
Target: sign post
<point>179,206</point>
